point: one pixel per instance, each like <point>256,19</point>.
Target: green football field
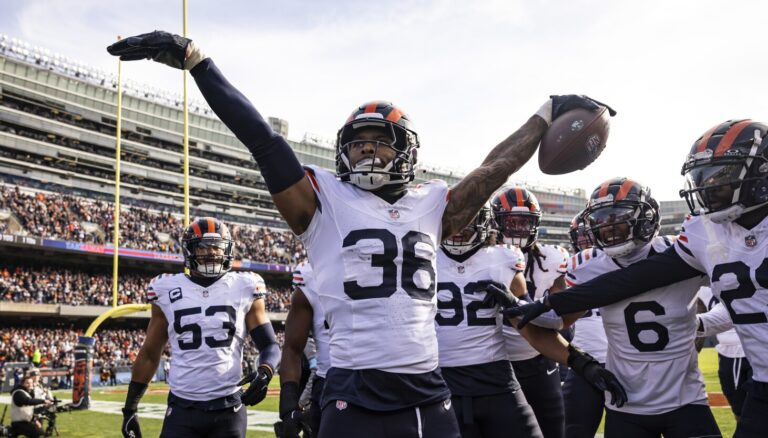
<point>82,424</point>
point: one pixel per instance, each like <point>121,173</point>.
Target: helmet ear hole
<point>414,157</point>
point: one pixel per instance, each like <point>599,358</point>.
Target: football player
<point>584,404</point>
<point>306,315</point>
<point>517,214</point>
<point>580,235</point>
<point>734,370</point>
<point>725,238</point>
<point>371,238</point>
<point>205,316</point>
<point>484,392</point>
<point>650,337</point>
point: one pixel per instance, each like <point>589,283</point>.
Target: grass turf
<point>88,424</point>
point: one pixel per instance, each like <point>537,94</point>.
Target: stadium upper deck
<point>67,112</point>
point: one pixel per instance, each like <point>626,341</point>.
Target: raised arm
<point>505,159</point>
<point>282,172</point>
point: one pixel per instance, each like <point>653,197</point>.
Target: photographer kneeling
<point>23,408</point>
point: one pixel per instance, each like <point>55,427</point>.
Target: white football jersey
<point>374,264</point>
<point>589,331</point>
<point>728,343</point>
<point>651,338</point>
<point>469,332</point>
<point>206,330</point>
<point>539,280</point>
<point>736,261</point>
<point>304,279</point>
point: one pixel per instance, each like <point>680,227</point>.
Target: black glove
<point>526,312</point>
<point>587,367</point>
<point>163,47</point>
<point>497,294</point>
<point>293,424</point>
<point>259,383</point>
<point>293,418</point>
<point>567,102</point>
<point>130,427</point>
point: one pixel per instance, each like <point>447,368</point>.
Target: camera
<point>48,414</point>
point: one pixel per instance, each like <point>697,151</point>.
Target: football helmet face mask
<point>517,216</point>
<point>372,173</point>
<point>621,216</point>
<point>580,234</point>
<point>472,236</point>
<point>207,247</point>
<point>726,171</point>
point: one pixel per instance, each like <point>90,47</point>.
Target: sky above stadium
<point>467,72</point>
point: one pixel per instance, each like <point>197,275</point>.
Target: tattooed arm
<point>505,159</point>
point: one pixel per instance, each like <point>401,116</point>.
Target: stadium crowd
<point>78,219</point>
<point>47,347</point>
<point>55,285</point>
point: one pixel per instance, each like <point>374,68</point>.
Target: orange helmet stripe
<point>626,186</point>
<point>603,190</point>
<point>371,107</point>
<point>211,225</point>
<point>705,139</point>
<point>727,141</point>
<point>196,229</point>
<point>519,195</point>
<point>395,115</point>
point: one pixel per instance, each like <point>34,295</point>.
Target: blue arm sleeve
<point>266,342</point>
<point>656,271</point>
<point>277,161</point>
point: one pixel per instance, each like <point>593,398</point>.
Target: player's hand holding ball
<point>257,390</point>
<point>577,134</point>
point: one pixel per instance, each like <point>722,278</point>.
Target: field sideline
<point>87,424</point>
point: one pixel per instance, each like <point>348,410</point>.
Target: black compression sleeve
<point>266,342</point>
<point>135,392</point>
<point>277,161</point>
<point>656,271</point>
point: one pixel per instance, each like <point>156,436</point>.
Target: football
<point>574,140</point>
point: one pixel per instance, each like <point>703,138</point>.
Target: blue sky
<point>468,73</point>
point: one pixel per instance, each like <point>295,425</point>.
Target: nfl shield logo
<point>205,293</point>
<point>750,241</point>
<point>460,268</point>
<point>394,214</point>
<point>341,405</point>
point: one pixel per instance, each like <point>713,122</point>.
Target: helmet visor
<point>714,186</point>
<point>517,225</point>
<point>611,225</point>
